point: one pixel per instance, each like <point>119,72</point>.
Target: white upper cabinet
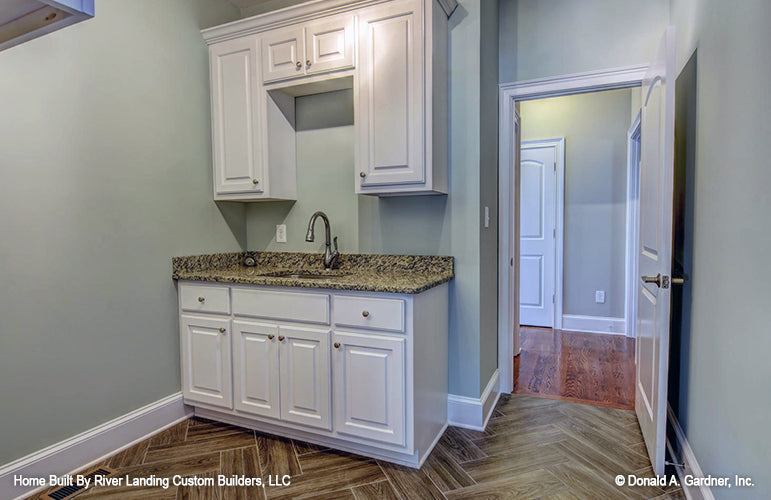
<point>282,54</point>
<point>393,54</point>
<point>235,100</point>
<point>329,45</point>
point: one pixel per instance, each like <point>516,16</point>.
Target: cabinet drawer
<point>367,312</point>
<point>206,299</point>
<point>287,306</point>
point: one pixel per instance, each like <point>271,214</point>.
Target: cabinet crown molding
<point>303,12</point>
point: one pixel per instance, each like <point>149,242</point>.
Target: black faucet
<point>330,257</point>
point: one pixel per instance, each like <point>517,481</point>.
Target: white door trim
<point>632,225</point>
<point>558,144</point>
<point>509,94</point>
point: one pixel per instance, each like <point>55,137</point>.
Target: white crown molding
<point>303,12</point>
<point>94,445</point>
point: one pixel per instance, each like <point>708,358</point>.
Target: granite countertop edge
<point>401,274</point>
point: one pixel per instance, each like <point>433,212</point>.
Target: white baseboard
<point>473,413</point>
<point>688,459</point>
<point>593,324</point>
<point>94,445</point>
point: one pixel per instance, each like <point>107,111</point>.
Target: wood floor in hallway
<point>588,368</point>
<point>533,448</point>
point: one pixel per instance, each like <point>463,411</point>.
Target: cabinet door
<point>282,55</point>
<point>205,347</point>
<point>235,117</point>
<point>369,395</point>
<point>329,45</point>
<point>305,376</point>
<point>255,368</point>
<point>390,118</point>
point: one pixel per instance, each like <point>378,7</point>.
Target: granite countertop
<point>368,273</point>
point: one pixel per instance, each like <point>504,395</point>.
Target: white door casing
<point>305,376</point>
<point>540,193</point>
<point>255,368</point>
<point>206,368</point>
<point>655,248</point>
<point>369,395</point>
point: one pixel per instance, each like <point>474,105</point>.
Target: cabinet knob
<point>222,330</point>
<point>365,314</point>
<point>337,345</point>
<point>362,175</point>
<point>255,181</point>
<point>280,338</point>
<point>270,337</point>
<point>299,65</point>
<point>201,299</point>
<point>308,63</point>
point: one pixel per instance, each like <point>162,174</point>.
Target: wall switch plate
<point>281,233</point>
<point>487,216</point>
<point>599,296</point>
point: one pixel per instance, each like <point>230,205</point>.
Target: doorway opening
<point>578,186</point>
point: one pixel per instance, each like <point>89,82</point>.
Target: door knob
<point>659,280</point>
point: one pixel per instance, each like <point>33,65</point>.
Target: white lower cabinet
<point>255,368</point>
<point>206,370</point>
<point>370,379</point>
<point>369,386</point>
<point>305,376</point>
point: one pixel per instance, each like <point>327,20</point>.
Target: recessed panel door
<point>255,368</point>
<point>537,234</point>
<point>305,376</point>
<point>369,386</point>
<point>329,45</point>
<point>205,347</point>
<point>655,248</point>
<point>282,55</point>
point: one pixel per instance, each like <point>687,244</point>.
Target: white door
<point>255,368</point>
<point>205,347</point>
<point>369,386</point>
<point>329,45</point>
<point>389,122</point>
<point>655,248</point>
<point>537,226</point>
<point>305,376</point>
<point>282,55</point>
<point>236,142</point>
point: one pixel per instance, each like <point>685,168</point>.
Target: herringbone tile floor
<point>532,448</point>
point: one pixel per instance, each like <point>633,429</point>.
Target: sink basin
<point>305,275</point>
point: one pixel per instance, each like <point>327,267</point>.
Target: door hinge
<point>554,232</point>
<point>553,299</point>
<point>555,166</point>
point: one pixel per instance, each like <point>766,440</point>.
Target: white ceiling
<point>246,3</point>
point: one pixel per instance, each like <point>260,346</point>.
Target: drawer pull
<point>201,299</point>
<point>222,330</point>
<point>270,337</point>
<point>365,314</point>
<point>280,338</point>
<point>337,345</point>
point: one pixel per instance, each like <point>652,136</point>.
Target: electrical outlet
<point>599,296</point>
<point>281,233</point>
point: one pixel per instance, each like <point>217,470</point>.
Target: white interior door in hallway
<point>540,163</point>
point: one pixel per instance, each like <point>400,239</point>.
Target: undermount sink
<point>305,275</point>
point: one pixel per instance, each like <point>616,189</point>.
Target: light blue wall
<point>106,174</point>
<point>725,404</point>
<point>557,37</point>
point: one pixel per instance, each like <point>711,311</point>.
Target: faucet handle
<point>334,240</point>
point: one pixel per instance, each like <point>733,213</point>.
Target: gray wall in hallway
<point>106,174</point>
<point>595,128</point>
<point>725,405</point>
